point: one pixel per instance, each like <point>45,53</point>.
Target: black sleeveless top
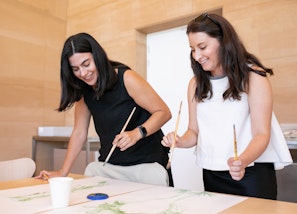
<point>110,113</point>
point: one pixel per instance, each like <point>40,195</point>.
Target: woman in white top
<point>230,91</point>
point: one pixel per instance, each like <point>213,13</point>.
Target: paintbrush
<point>45,176</point>
<point>123,129</point>
<point>235,143</point>
<point>175,133</point>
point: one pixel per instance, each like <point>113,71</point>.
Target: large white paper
<point>35,199</point>
<point>124,197</point>
<point>158,200</point>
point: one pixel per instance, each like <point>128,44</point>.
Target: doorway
<point>169,71</point>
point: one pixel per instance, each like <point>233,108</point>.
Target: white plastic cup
<point>60,189</point>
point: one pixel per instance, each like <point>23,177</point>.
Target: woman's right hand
<point>50,174</point>
<point>168,140</point>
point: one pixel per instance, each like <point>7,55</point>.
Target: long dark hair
<point>233,56</point>
<point>72,87</point>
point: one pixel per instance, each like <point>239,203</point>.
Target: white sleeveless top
<point>216,117</point>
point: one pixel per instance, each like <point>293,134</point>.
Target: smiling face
<point>205,50</point>
<point>84,68</point>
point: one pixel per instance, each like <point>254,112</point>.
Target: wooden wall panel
<point>267,28</point>
<point>269,31</point>
<point>32,33</point>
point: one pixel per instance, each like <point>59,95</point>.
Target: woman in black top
<point>108,91</point>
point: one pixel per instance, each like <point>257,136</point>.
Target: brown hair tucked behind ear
<point>232,55</point>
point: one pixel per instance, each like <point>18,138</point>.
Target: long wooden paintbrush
<point>123,129</point>
<point>175,133</point>
<point>235,143</point>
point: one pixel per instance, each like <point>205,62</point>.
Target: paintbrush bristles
<point>45,176</point>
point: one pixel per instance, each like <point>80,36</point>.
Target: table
<point>130,197</point>
<point>31,182</point>
<point>262,206</point>
<point>43,149</point>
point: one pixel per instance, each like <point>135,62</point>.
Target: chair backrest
<point>17,169</point>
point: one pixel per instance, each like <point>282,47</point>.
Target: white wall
<point>169,71</point>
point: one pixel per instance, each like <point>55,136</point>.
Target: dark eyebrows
<point>83,62</point>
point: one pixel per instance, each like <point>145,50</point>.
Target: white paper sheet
<point>35,199</point>
<point>124,197</point>
<point>158,200</point>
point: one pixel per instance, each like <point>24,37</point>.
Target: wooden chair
<point>17,169</point>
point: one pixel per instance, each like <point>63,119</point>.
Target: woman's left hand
<point>236,169</point>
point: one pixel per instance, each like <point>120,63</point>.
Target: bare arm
<point>79,135</point>
<point>78,138</point>
<point>260,103</point>
<point>146,97</point>
<point>189,138</point>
